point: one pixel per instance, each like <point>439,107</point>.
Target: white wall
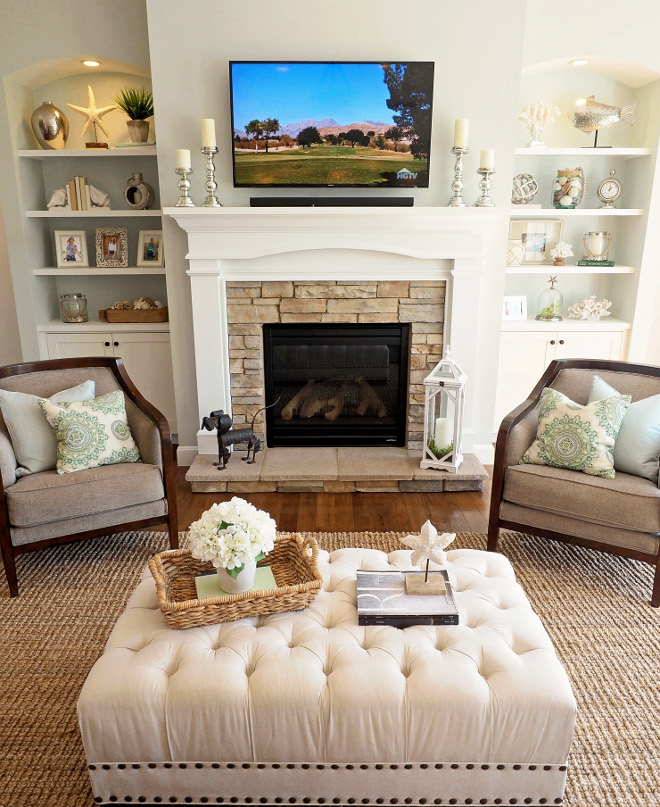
<point>10,344</point>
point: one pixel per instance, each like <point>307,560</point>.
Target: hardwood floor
<point>352,512</point>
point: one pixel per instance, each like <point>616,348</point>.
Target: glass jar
<point>550,303</point>
<point>74,307</point>
<point>568,189</point>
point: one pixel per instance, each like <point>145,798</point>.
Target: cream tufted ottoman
<point>308,708</point>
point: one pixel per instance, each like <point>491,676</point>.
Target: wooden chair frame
<point>499,468</point>
<point>116,366</point>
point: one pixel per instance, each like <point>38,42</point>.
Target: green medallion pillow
<point>637,449</point>
<point>577,437</point>
<point>91,433</point>
<point>32,439</point>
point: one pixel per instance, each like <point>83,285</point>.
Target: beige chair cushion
<point>48,496</point>
<point>626,502</point>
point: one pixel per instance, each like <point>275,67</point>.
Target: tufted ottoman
<point>308,708</point>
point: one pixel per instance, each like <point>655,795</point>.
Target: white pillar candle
<point>208,133</point>
<point>444,432</point>
<point>461,133</point>
<point>183,158</point>
<point>487,159</point>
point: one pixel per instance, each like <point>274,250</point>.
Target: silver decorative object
<point>597,245</point>
<point>525,188</point>
<point>485,185</point>
<point>50,126</point>
<point>184,199</point>
<point>211,185</point>
<point>139,194</point>
<point>457,199</point>
<point>74,307</point>
<point>591,116</point>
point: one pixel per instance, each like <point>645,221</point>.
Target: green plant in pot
<point>138,104</point>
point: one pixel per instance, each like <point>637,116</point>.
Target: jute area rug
<point>595,607</point>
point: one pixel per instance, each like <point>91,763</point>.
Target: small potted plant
<point>233,536</point>
<point>138,104</point>
<point>560,251</point>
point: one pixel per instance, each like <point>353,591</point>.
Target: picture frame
<point>71,248</point>
<point>150,248</point>
<point>514,308</point>
<point>538,237</point>
<point>111,247</point>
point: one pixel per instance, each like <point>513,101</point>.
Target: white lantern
<point>444,402</point>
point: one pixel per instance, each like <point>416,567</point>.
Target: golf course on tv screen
<point>331,124</point>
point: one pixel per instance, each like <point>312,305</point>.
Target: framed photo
<point>150,248</point>
<point>111,247</point>
<point>71,248</point>
<point>538,238</point>
<point>514,308</point>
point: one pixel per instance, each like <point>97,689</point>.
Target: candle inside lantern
<point>487,159</point>
<point>183,159</point>
<point>461,133</point>
<point>444,432</point>
<point>208,133</point>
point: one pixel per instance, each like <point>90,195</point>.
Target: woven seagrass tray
<point>293,561</point>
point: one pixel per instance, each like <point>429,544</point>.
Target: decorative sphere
<point>525,188</point>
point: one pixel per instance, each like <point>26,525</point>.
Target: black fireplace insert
<point>336,384</point>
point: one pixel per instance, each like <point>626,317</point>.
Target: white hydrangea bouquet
<point>232,535</point>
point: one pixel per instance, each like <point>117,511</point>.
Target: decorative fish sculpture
<point>589,115</point>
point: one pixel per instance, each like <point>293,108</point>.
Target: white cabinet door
<point>524,355</point>
<point>76,345</point>
<point>589,345</point>
<point>148,361</point>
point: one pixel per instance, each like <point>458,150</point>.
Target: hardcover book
<point>382,600</point>
<point>595,263</point>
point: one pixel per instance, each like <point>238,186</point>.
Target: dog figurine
<point>228,436</point>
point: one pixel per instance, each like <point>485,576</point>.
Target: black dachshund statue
<point>227,436</point>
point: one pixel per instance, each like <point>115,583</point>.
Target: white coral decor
<point>561,250</point>
<point>590,308</point>
<point>232,534</point>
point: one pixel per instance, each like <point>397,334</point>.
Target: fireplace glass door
<point>336,384</point>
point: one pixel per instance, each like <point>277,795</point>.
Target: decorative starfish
<point>428,545</point>
<point>92,113</point>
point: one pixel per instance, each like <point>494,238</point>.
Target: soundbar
<point>332,201</point>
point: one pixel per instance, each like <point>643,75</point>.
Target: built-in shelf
<point>570,269</point>
<point>605,324</point>
<point>101,326</point>
<point>98,213</point>
<point>549,212</point>
<point>628,153</point>
<point>98,271</point>
<point>52,154</point>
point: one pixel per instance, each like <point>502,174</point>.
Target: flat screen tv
<point>331,124</point>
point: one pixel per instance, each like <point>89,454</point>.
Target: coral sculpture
<point>560,251</point>
<point>590,308</point>
<point>537,116</point>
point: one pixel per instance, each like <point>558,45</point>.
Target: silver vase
<point>50,126</point>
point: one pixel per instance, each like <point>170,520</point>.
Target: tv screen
<point>327,124</point>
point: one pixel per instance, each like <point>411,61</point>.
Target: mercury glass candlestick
<point>457,199</point>
<point>484,186</point>
<point>211,185</point>
<point>184,199</point>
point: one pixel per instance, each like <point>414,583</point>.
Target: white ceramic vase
<point>243,581</point>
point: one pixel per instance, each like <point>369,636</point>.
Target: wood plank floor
<point>352,512</point>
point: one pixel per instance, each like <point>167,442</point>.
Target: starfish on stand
<point>93,114</point>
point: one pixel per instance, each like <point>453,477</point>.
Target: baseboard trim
<point>185,455</point>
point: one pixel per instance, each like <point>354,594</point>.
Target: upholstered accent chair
<point>620,515</point>
<point>46,508</point>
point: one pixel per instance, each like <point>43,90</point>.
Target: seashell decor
<point>590,308</point>
<point>142,304</point>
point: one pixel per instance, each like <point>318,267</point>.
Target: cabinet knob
<point>116,344</point>
<point>552,342</point>
<point>561,341</point>
<point>107,344</point>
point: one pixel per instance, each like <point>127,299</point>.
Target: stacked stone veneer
<point>250,304</point>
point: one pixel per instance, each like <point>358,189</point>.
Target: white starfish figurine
<point>428,545</point>
<point>92,113</point>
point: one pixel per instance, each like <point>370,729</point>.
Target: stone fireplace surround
<point>445,249</point>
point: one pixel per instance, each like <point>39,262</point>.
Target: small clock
<point>609,190</point>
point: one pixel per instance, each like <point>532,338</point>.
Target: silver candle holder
<point>484,186</point>
<point>184,199</point>
<point>211,185</point>
<point>457,199</point>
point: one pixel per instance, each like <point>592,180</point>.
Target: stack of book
<point>382,600</point>
<point>77,194</point>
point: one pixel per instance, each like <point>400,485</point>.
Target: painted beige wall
<point>10,344</point>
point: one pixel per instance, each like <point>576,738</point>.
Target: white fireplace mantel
<point>338,243</point>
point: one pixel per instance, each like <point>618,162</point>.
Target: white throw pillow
<point>32,438</point>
